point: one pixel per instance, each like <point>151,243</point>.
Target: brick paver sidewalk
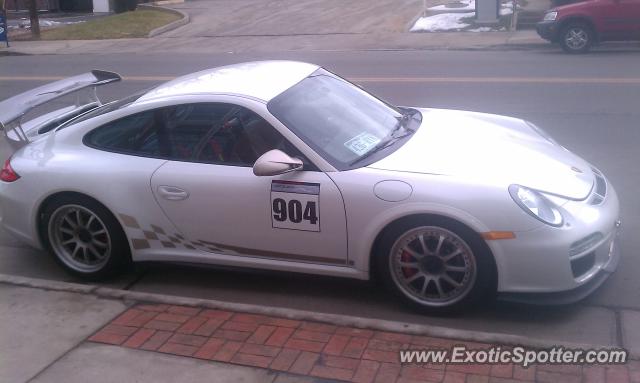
<point>319,349</point>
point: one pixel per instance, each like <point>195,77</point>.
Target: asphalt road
<point>590,104</point>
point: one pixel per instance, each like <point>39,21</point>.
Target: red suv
<point>580,25</point>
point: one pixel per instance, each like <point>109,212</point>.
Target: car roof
<point>262,80</point>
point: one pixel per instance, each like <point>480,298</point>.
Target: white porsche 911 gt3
<point>284,165</point>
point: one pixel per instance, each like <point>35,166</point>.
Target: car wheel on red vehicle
<point>576,38</point>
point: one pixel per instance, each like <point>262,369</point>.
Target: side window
<point>220,134</point>
<point>187,126</point>
<point>136,134</point>
<point>213,133</point>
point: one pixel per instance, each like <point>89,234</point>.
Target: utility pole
<point>514,16</point>
<point>33,15</point>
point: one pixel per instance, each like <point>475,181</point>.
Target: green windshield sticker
<point>362,143</point>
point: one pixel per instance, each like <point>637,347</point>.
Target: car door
<point>208,190</point>
<point>620,19</point>
<point>633,10</point>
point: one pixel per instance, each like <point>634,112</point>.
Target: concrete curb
<point>169,27</point>
<point>336,319</point>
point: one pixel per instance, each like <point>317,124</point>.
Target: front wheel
<point>576,38</point>
<point>84,237</point>
<point>438,267</point>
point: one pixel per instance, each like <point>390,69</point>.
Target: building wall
<point>22,5</point>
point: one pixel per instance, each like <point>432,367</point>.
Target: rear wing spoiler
<point>13,109</point>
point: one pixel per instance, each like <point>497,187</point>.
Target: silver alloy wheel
<point>433,266</point>
<point>79,238</point>
<point>576,38</point>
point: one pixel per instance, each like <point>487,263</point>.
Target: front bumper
<point>569,261</point>
<point>573,295</point>
<point>548,30</point>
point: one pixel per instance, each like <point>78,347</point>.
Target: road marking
<point>485,80</point>
<point>515,80</point>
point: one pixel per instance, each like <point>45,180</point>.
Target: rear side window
<point>136,134</point>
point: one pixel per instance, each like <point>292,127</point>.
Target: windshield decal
<point>362,143</point>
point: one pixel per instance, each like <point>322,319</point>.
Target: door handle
<point>172,193</point>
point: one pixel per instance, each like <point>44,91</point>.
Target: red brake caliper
<point>407,271</point>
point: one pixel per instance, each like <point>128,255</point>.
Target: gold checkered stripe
<point>155,236</point>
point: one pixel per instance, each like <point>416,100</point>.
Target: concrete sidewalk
<point>74,335</point>
<point>328,42</point>
<point>43,338</point>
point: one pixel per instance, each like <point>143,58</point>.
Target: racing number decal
<point>295,205</point>
<point>293,211</point>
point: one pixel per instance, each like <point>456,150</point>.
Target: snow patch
<point>442,22</point>
<point>506,11</point>
<point>480,29</point>
<point>24,23</point>
<point>463,5</point>
<point>506,8</point>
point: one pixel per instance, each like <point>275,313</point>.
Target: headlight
<point>536,205</point>
<point>550,16</point>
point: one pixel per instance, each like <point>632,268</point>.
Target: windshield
<point>337,119</point>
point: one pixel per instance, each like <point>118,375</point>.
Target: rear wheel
<point>576,38</point>
<point>84,237</point>
<point>437,266</point>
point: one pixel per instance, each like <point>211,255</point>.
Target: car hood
<point>490,149</point>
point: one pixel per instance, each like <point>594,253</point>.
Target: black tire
<point>479,288</point>
<point>54,228</point>
<point>577,38</point>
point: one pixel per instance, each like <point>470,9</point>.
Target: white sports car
<point>284,165</point>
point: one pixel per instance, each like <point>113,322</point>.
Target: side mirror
<point>275,162</point>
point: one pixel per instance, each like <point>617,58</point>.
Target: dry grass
<point>124,25</point>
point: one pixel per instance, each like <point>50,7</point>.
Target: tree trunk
<point>33,15</point>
